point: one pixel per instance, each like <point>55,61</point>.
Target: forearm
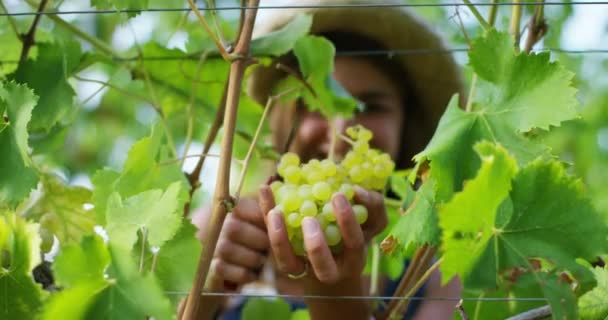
<point>321,309</point>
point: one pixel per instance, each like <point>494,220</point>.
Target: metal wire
<point>357,53</point>
<point>312,296</point>
<point>337,6</point>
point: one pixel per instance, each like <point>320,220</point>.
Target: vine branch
<point>537,27</point>
<point>29,39</point>
<point>11,20</point>
<point>201,19</point>
<point>477,15</point>
<point>222,192</point>
<point>515,22</point>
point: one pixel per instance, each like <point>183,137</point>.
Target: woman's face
<point>383,113</point>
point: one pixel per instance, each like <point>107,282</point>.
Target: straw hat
<point>434,77</point>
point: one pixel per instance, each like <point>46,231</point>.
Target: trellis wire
<point>337,6</point>
<point>313,296</point>
<point>357,53</point>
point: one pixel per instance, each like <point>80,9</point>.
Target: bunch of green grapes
<point>307,189</point>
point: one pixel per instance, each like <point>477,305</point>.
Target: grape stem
<point>222,192</point>
<point>515,23</point>
<point>28,39</point>
<point>346,139</point>
<point>254,141</point>
<point>477,15</point>
<point>333,139</point>
<point>537,27</point>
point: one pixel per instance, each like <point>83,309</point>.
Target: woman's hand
<point>242,246</point>
<point>327,268</point>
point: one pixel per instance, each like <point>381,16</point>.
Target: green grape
<point>328,168</point>
<point>308,209</point>
<point>323,222</point>
<point>292,174</point>
<point>291,201</point>
<point>361,147</point>
<point>347,190</point>
<point>332,234</point>
<point>321,191</point>
<point>365,135</point>
<point>275,185</point>
<point>328,212</point>
<point>356,174</point>
<point>352,132</point>
<point>290,159</point>
<point>294,220</point>
<point>360,213</point>
<point>305,191</point>
<point>313,176</point>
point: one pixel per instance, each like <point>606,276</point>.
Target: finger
<point>244,233</point>
<point>352,235</point>
<point>239,255</point>
<point>317,250</point>
<point>285,258</point>
<point>231,272</point>
<point>249,210</point>
<point>374,202</point>
<point>266,199</point>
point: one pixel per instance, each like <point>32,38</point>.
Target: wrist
<point>327,308</point>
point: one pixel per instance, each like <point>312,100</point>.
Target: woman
<point>403,97</point>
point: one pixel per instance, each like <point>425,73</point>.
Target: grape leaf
<point>47,76</point>
<point>527,90</point>
<point>177,260</point>
<point>20,253</point>
<point>73,303</point>
<point>281,41</point>
<point>594,304</point>
<point>154,212</point>
<point>418,225</point>
<point>109,282</point>
<point>300,314</point>
<point>81,263</point>
<point>316,61</point>
<point>468,219</point>
<point>17,177</point>
<point>143,171</point>
<point>450,150</point>
<point>61,210</point>
<point>260,308</point>
<point>515,94</point>
<point>488,230</point>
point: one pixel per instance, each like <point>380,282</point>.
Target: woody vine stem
<point>221,196</point>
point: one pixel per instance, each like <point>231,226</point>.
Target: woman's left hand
<point>327,268</point>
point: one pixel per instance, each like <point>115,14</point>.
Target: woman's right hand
<point>242,245</point>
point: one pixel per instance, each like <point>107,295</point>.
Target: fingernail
<point>310,226</point>
<point>340,202</point>
<point>275,219</point>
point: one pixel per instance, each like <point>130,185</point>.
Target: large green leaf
<point>62,210</point>
<point>516,93</point>
<point>156,214</point>
<point>17,176</point>
<point>20,297</point>
<point>496,225</point>
<point>109,284</point>
<point>147,168</point>
<point>468,219</point>
<point>260,308</point>
<point>83,262</point>
<point>418,226</point>
<point>526,91</point>
<point>48,77</point>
